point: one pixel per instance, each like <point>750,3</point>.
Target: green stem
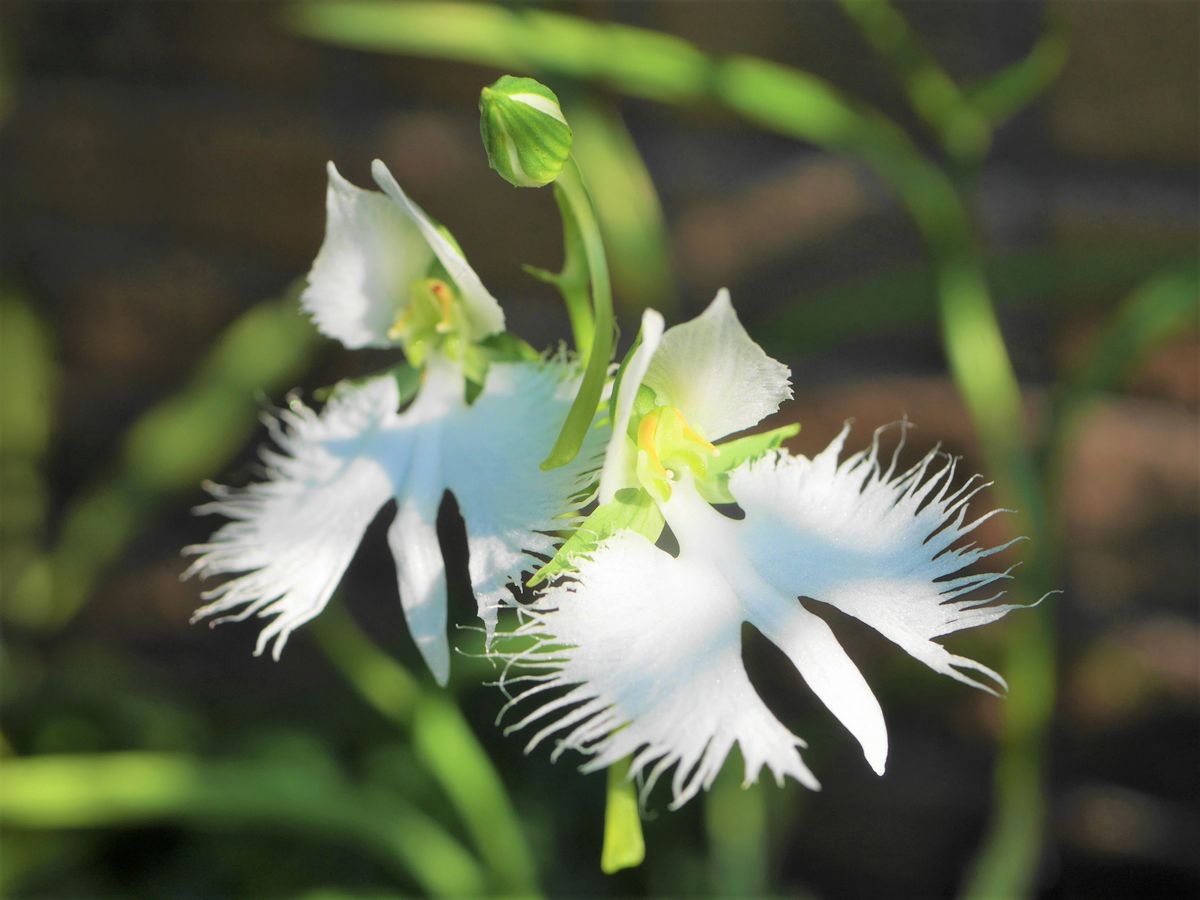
<point>579,418</point>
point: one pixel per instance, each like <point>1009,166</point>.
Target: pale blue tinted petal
<point>292,536</point>
<point>883,547</point>
<point>492,452</point>
<point>647,651</point>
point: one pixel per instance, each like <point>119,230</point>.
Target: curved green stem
<point>578,205</point>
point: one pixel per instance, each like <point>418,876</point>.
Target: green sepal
<point>631,509</point>
<point>715,488</point>
<point>624,845</point>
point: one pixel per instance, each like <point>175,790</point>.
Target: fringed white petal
<point>491,458</point>
<point>882,546</point>
<point>616,473</point>
<point>293,535</point>
<point>420,569</point>
<point>825,667</point>
<point>718,377</point>
<point>648,649</point>
<point>360,279</point>
<point>486,316</point>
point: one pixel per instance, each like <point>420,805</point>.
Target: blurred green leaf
<point>29,401</point>
<point>519,41</point>
<point>631,217</point>
<point>126,789</point>
<point>1162,308</point>
<point>168,451</point>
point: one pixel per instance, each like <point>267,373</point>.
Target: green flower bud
<point>526,137</point>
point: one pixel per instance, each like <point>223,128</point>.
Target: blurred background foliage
<point>983,216</point>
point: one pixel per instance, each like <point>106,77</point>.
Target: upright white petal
<point>648,648</point>
<point>293,535</point>
<point>360,279</point>
<point>492,452</point>
<point>880,546</point>
<point>484,312</point>
<point>715,374</point>
<point>615,474</point>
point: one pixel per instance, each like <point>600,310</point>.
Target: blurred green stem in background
<point>167,452</point>
<point>931,91</point>
<point>26,419</point>
<point>444,744</point>
<point>735,817</point>
<point>124,789</point>
<point>962,119</point>
<point>1162,308</point>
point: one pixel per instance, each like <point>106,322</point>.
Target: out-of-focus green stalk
<point>168,451</point>
<point>627,206</point>
<point>1005,93</point>
<point>633,60</point>
<point>1163,307</point>
<point>933,94</point>
<point>735,818</point>
<point>444,743</point>
<point>624,846</point>
<point>583,408</point>
<point>124,789</point>
<point>28,401</point>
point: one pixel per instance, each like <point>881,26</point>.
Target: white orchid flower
<point>292,536</point>
<point>648,645</point>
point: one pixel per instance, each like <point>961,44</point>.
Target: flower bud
<point>526,137</point>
